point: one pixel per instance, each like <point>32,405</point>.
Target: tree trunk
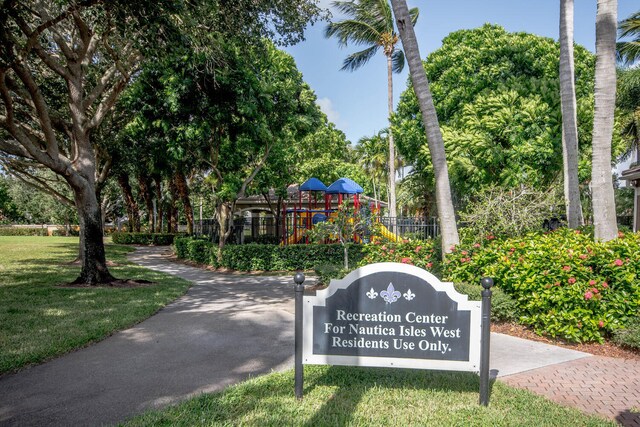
<point>345,250</point>
<point>183,191</point>
<point>434,135</point>
<point>158,181</point>
<point>392,150</point>
<point>604,208</point>
<point>223,211</point>
<point>94,265</point>
<point>172,210</point>
<point>569,119</point>
<point>132,204</point>
<point>145,190</point>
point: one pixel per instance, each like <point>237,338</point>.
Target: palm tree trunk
<point>392,150</point>
<point>569,120</point>
<point>604,208</point>
<point>430,119</point>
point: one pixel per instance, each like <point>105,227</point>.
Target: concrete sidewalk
<point>225,329</point>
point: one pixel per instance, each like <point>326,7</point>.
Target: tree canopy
<point>497,98</point>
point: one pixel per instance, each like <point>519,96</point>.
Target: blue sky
<point>357,101</point>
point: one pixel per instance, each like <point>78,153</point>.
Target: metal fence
<point>270,229</point>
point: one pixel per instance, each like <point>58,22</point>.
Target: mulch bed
<point>607,349</point>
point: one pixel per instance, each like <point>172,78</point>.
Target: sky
<point>357,101</point>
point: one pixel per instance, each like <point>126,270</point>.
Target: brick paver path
<point>605,386</point>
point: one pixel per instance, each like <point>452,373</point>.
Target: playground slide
<point>387,234</point>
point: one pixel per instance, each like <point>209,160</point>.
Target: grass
<point>337,396</point>
<point>39,320</point>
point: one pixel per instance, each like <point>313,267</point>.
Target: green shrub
<point>326,272</point>
<point>180,247</point>
<point>123,238</point>
<point>289,258</point>
<point>565,285</point>
<point>199,250</point>
<point>415,252</point>
<point>503,307</point>
<point>629,336</point>
<point>23,231</point>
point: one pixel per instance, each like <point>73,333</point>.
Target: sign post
<point>392,315</point>
<point>299,372</point>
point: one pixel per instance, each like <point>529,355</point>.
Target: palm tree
<point>370,24</point>
<point>569,119</point>
<point>372,156</point>
<point>420,84</point>
<point>604,209</point>
<point>628,100</point>
<point>629,51</point>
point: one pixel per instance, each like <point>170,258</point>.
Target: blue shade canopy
<point>344,186</point>
<point>313,184</point>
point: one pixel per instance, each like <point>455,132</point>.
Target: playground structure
<point>303,218</point>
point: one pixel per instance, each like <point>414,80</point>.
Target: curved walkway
<point>226,328</point>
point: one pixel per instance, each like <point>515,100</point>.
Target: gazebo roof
<point>344,186</point>
<point>313,184</point>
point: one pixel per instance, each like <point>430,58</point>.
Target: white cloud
<point>326,106</point>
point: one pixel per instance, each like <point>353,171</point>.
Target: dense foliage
<point>565,284</point>
<point>265,257</point>
<point>497,99</point>
<point>420,253</point>
<point>22,231</point>
<point>160,239</point>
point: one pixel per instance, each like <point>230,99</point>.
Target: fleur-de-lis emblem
<point>372,294</point>
<point>409,295</point>
<point>390,295</point>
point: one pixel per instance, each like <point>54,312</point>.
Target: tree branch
<point>39,184</point>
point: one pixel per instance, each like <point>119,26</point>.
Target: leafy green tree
<point>64,64</point>
<point>603,201</point>
<point>370,23</point>
<point>497,96</point>
<point>629,51</point>
<point>234,120</point>
<point>8,210</point>
<point>628,101</point>
<point>569,117</point>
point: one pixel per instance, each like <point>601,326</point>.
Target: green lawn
<point>39,320</point>
<point>338,396</point>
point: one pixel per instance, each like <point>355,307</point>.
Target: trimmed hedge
<point>265,257</point>
<point>158,239</point>
<point>23,231</point>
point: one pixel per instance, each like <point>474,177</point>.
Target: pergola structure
<point>632,175</point>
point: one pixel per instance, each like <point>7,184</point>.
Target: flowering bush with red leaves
<point>565,284</point>
<point>415,252</point>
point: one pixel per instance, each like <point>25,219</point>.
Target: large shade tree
<point>569,117</point>
<point>64,64</point>
<point>420,83</point>
<point>236,120</point>
<point>370,24</point>
<point>498,102</point>
<point>604,208</point>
